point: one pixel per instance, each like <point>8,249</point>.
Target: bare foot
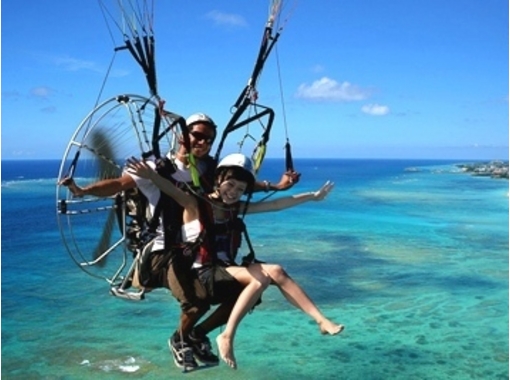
<point>328,327</point>
<point>225,350</point>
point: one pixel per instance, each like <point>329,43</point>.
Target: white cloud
<point>375,109</point>
<point>41,92</point>
<point>229,19</point>
<point>73,64</point>
<point>329,89</point>
<point>119,73</point>
<point>318,68</point>
<point>21,153</point>
<point>69,63</point>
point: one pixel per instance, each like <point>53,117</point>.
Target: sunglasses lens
<point>201,136</point>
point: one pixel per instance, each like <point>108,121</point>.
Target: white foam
<point>127,365</point>
<point>129,368</point>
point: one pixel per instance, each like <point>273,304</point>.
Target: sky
<point>349,78</point>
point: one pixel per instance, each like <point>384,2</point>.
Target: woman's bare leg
<point>255,282</point>
<point>297,297</point>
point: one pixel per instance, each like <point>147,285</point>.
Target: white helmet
<point>239,160</point>
<point>200,118</point>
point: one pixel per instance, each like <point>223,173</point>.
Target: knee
<point>258,276</point>
<point>194,309</point>
<point>262,280</point>
<point>265,281</point>
<point>278,274</point>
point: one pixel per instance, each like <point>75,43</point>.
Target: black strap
<point>250,257</point>
<point>289,164</point>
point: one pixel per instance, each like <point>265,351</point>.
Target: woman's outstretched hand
<point>321,194</point>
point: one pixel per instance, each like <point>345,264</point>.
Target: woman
<point>209,224</point>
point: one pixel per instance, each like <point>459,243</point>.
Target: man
<point>187,342</point>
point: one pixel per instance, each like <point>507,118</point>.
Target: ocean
<point>410,255</point>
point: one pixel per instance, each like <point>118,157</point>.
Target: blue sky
<point>360,79</point>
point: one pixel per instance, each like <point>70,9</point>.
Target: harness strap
<point>250,257</point>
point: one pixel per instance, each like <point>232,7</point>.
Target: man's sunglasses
<point>199,136</point>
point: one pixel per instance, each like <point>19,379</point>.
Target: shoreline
<point>493,169</point>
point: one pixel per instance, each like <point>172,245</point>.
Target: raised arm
<point>103,188</point>
<point>289,179</point>
<point>141,169</point>
<point>290,201</point>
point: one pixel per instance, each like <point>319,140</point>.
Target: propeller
<point>100,144</point>
<point>105,240</point>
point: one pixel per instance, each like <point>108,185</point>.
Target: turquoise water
<point>414,263</point>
